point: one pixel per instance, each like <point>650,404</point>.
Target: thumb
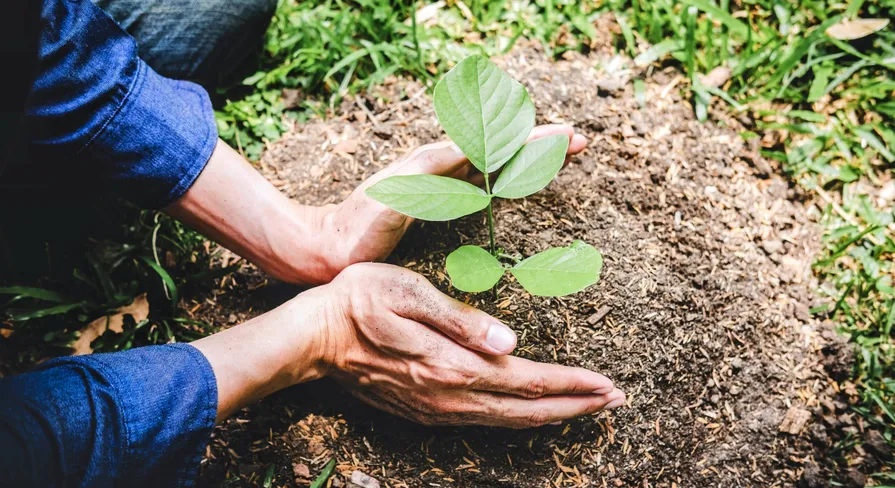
<point>440,158</point>
<point>468,326</point>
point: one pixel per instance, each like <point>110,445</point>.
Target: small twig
<point>363,107</point>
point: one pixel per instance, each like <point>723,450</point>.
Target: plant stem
<point>490,218</point>
<point>491,225</point>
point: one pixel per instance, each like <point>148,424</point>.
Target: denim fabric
<point>199,40</point>
<point>135,418</point>
<point>97,113</point>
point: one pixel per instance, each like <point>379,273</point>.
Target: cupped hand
<point>400,345</point>
<point>366,230</point>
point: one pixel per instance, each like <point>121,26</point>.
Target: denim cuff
<point>158,142</point>
<point>167,400</point>
<point>154,409</point>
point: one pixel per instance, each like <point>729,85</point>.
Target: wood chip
<point>795,420</point>
<point>598,315</point>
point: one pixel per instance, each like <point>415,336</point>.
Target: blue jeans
<point>197,40</point>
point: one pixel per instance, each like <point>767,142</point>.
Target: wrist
<point>302,241</point>
<point>313,323</point>
<point>291,344</point>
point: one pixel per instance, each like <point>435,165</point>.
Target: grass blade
<point>166,278</point>
<point>320,482</point>
<point>35,293</point>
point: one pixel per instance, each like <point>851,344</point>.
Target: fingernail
<point>558,422</point>
<point>617,400</point>
<point>501,338</point>
<point>604,389</point>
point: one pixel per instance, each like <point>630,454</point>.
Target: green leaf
<point>166,278</point>
<point>807,115</point>
<point>874,142</point>
<point>657,51</point>
<point>585,26</point>
<point>320,482</point>
<point>640,92</point>
<point>736,26</point>
<point>533,167</point>
<point>36,293</point>
<point>560,271</point>
<point>819,83</point>
<point>268,476</point>
<point>22,315</point>
<point>473,269</point>
<point>484,111</point>
<point>429,197</point>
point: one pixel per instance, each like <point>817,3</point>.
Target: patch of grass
<point>89,272</point>
<point>315,54</point>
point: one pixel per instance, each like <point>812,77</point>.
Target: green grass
<point>322,52</point>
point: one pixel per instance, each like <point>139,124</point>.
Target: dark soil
<point>701,314</point>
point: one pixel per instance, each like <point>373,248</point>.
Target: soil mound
<point>701,314</point>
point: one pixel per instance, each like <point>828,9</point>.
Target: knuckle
<point>405,282</point>
<point>429,155</point>
<point>535,387</point>
<point>463,324</point>
<point>537,417</point>
<point>424,154</point>
<point>356,272</point>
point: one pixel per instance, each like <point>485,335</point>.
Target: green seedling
<point>489,116</point>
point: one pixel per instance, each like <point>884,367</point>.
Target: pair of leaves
<point>554,272</point>
<point>431,197</point>
<point>489,116</point>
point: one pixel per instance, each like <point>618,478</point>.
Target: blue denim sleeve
<point>135,418</point>
<point>96,111</point>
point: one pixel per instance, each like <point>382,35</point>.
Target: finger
<point>472,328</point>
<point>440,158</point>
<point>577,142</point>
<point>529,379</point>
<point>515,412</point>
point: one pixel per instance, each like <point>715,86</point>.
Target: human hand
<point>363,229</point>
<point>396,342</point>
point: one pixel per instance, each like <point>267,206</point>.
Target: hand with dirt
<point>396,342</point>
<point>365,230</point>
<point>404,347</point>
<point>234,205</point>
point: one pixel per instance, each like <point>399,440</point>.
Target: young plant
<point>489,116</point>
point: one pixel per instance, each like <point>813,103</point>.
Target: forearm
<point>232,204</point>
<point>281,348</point>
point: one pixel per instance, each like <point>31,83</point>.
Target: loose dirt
<point>701,315</point>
